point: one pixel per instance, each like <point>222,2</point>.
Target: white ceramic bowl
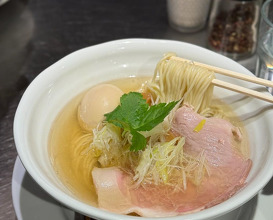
<point>56,85</point>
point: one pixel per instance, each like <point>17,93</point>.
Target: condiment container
<point>233,27</point>
<point>188,15</point>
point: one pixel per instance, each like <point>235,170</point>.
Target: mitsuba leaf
<point>155,115</point>
<point>134,114</point>
<point>115,117</point>
<point>138,141</point>
<point>132,107</point>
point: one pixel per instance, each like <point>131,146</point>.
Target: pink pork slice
<point>226,166</point>
<point>115,195</point>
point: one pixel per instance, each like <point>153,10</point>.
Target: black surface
<point>35,34</point>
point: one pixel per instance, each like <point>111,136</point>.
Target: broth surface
<point>72,161</point>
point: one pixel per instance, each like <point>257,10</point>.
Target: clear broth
<point>72,164</point>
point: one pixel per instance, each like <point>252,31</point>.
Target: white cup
<point>188,15</point>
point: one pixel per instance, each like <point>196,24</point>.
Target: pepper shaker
<point>233,27</point>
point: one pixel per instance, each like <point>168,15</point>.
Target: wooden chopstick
<point>236,75</point>
<point>242,90</point>
<point>229,73</point>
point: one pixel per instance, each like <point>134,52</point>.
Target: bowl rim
<point>96,212</point>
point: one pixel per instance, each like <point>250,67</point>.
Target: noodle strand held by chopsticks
<point>173,80</point>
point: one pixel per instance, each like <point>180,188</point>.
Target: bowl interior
<point>59,83</point>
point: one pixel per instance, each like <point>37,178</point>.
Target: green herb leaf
<point>155,115</point>
<point>138,141</point>
<point>134,114</point>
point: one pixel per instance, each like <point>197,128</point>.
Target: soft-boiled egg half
<point>98,101</point>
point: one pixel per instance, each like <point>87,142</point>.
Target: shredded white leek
<point>166,163</point>
<point>162,162</point>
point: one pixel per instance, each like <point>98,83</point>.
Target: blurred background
<point>36,33</point>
